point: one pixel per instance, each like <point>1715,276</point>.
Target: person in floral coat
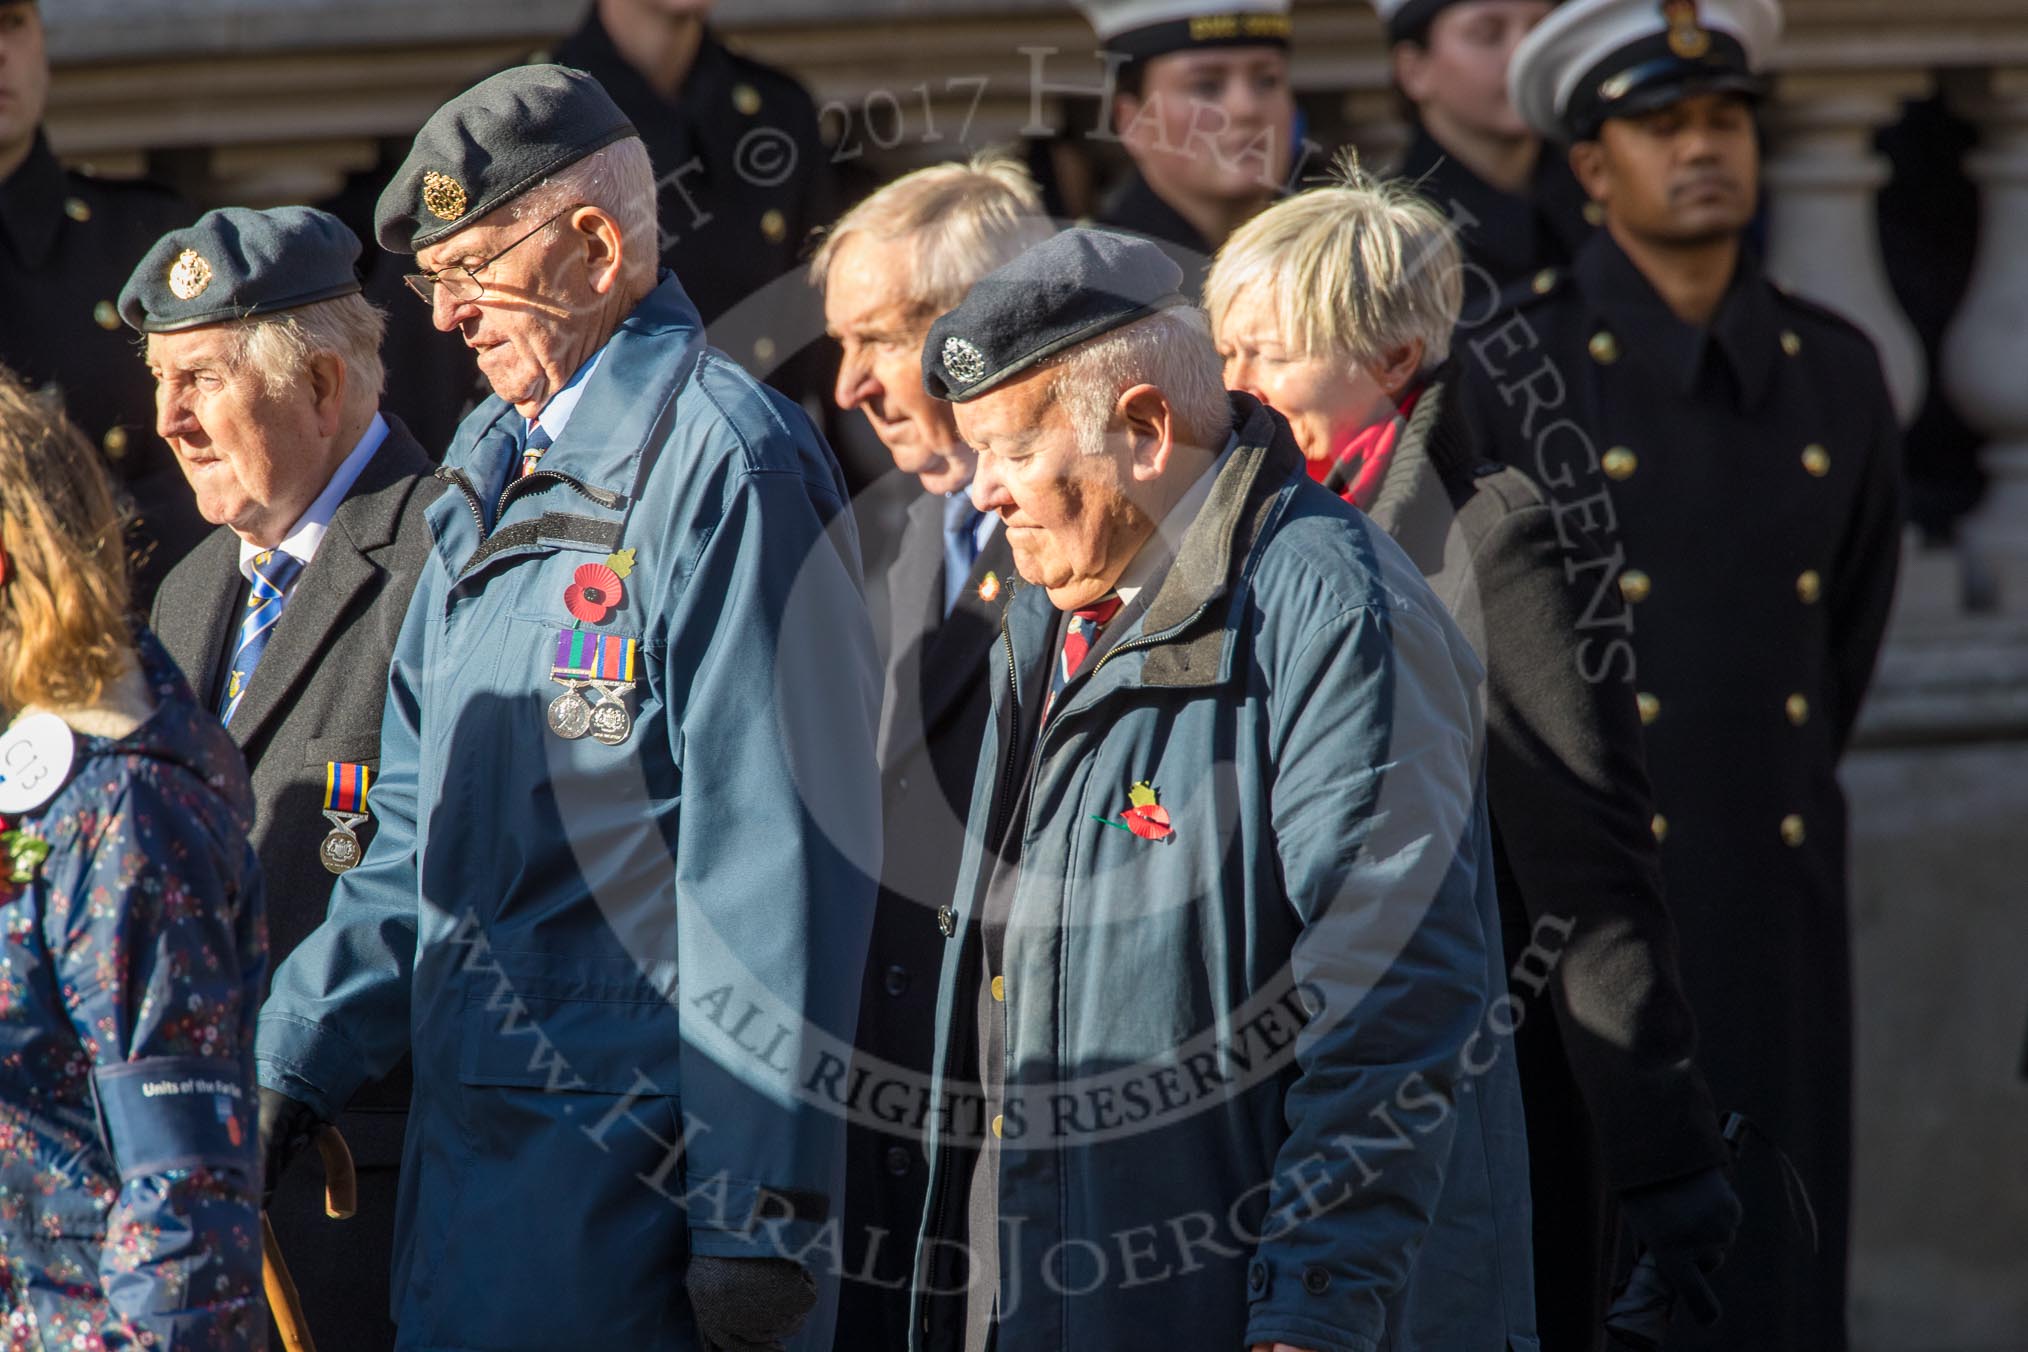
<point>132,945</point>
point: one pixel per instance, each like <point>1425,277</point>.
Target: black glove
<point>1688,1224</point>
<point>287,1126</point>
<point>748,1304</point>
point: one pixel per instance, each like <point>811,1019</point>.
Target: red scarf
<point>1356,471</point>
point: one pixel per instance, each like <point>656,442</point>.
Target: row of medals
<point>571,716</point>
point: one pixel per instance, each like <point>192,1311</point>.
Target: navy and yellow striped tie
<point>273,574</point>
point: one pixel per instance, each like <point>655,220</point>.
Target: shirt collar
<point>303,538</point>
<point>1152,563</point>
<point>31,204</point>
<point>955,515</point>
<point>556,413</point>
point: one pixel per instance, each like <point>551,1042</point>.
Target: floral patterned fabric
<point>139,935</point>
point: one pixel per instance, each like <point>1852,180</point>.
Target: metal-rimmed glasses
<point>462,282</point>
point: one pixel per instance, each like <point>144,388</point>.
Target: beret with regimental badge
<point>489,145</point>
<point>235,263</point>
<point>1596,59</point>
<point>1143,29</point>
<point>1064,291</point>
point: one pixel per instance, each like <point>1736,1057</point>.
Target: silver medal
<point>569,716</point>
<point>611,721</point>
<point>341,849</point>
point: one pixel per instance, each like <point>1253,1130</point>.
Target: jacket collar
<point>1742,337</point>
<point>31,204</point>
<point>1215,550</point>
<point>1140,208</point>
<point>1416,501</point>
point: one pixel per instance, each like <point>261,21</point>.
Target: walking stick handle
<point>341,1184</point>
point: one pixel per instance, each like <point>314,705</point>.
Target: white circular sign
<point>35,757</point>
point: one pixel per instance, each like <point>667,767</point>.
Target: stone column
<point>1822,176</point>
<point>1985,357</point>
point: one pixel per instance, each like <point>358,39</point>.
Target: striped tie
<point>536,442</point>
<point>1085,627</point>
<point>273,575</point>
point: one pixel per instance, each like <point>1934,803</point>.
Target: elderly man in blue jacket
<point>619,895</point>
<point>1221,1025</point>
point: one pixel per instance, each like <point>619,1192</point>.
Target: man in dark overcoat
<point>1731,452</point>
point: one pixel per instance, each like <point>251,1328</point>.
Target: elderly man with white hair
<point>1219,1028</point>
<point>888,268</point>
<point>620,886</point>
<point>268,375</point>
<point>1617,1111</point>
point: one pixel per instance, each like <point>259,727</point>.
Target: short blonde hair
<point>967,219</point>
<point>64,634</point>
<point>1356,269</point>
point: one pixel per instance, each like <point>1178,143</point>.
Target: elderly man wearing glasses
<point>618,897</point>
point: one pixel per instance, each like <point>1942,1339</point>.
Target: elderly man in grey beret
<point>618,897</point>
<point>266,359</point>
<point>1224,945</point>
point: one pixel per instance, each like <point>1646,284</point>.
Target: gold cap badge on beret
<point>964,361</point>
<point>1687,37</point>
<point>443,195</point>
<point>189,275</point>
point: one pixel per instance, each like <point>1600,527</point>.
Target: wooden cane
<point>341,1199</point>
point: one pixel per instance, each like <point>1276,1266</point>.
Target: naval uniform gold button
<point>1816,460</point>
<point>1798,709</point>
<point>764,348</point>
<point>1792,830</point>
<point>1791,344</point>
<point>106,315</point>
<point>115,442</point>
<point>774,225</point>
<point>1594,214</point>
<point>1543,281</point>
<point>77,209</point>
<point>1809,586</point>
<point>1000,988</point>
<point>746,98</point>
<point>1604,348</point>
<point>999,1125</point>
<point>1635,586</point>
<point>1660,826</point>
<point>1620,463</point>
<point>1650,706</point>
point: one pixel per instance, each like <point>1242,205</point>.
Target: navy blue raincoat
<point>616,961</point>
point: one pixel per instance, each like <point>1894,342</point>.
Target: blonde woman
<point>131,943</point>
<point>1336,308</point>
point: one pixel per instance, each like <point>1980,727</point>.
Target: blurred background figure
<point>1731,451</point>
<point>284,618</point>
<point>132,945</point>
<point>67,242</point>
<point>1335,308</point>
<point>1205,111</point>
<point>887,269</point>
<point>1516,208</point>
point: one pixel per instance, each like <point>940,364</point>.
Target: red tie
<point>1085,626</point>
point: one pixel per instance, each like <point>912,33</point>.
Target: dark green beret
<point>235,263</point>
<point>489,145</point>
<point>1066,290</point>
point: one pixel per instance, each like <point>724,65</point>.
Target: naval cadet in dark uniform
<point>67,242</point>
<point>1515,203</point>
<point>1204,108</point>
<point>1732,450</point>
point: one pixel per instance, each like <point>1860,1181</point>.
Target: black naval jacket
<point>1510,235</point>
<point>1612,1095</point>
<point>1134,206</point>
<point>745,179</point>
<point>68,243</point>
<point>1743,483</point>
<point>317,698</point>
